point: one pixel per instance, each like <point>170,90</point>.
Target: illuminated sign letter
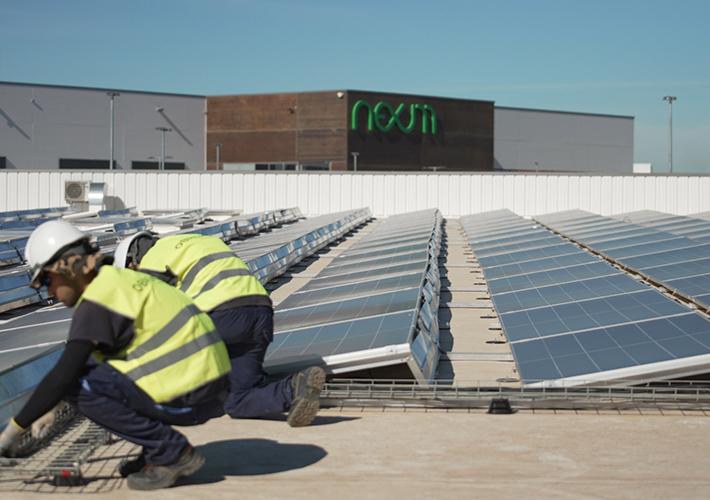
<point>379,115</point>
<point>356,107</point>
<point>425,120</point>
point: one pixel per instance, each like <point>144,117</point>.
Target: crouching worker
<point>221,285</point>
<point>158,359</point>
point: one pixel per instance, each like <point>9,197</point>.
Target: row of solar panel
<point>679,262</point>
<point>108,228</point>
<point>293,244</point>
<point>29,344</point>
<point>21,216</point>
<point>373,306</point>
<point>572,318</point>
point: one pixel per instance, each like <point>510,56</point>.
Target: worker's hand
<point>42,426</point>
<point>10,439</point>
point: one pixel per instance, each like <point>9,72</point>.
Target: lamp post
<point>112,95</point>
<point>217,145</point>
<point>354,160</point>
<point>162,158</point>
<point>670,100</point>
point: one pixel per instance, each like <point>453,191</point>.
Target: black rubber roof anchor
<point>500,406</point>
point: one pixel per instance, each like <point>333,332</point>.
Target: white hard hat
<point>48,241</point>
<point>121,255</point>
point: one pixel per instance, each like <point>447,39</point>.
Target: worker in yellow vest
<point>220,283</point>
<point>158,360</point>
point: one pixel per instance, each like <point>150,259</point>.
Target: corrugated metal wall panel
<point>384,193</point>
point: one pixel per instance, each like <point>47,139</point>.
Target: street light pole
<point>162,158</point>
<point>670,100</point>
<point>112,95</point>
<point>354,160</point>
<point>217,145</point>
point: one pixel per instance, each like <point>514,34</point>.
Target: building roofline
<point>373,92</point>
<point>564,112</point>
<point>99,89</point>
<point>104,89</point>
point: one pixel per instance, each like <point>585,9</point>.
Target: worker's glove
<point>10,439</point>
<point>42,426</point>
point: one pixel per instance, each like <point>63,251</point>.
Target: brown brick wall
<point>316,127</point>
<point>463,140</point>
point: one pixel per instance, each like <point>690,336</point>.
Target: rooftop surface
<point>407,452</point>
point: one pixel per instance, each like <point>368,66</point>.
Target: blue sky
<point>617,57</point>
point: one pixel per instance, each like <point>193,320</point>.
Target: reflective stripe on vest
<point>175,356</point>
<point>201,264</point>
<point>206,268</point>
<point>221,276</point>
<point>165,333</point>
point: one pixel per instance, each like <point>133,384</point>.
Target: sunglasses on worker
<point>45,280</point>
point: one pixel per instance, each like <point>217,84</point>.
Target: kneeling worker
<point>160,360</point>
<point>221,285</point>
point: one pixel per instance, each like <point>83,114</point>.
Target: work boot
<point>305,389</point>
<point>128,467</point>
<point>154,477</point>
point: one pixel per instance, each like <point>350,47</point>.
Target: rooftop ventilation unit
<point>77,191</point>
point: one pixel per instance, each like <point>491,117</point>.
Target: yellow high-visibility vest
<point>207,270</point>
<point>176,348</point>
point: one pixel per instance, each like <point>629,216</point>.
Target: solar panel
<point>533,234</point>
<point>370,274</point>
<point>370,308</point>
<point>15,291</point>
<point>573,291</point>
<point>23,371</point>
<point>690,227</point>
<point>347,309</point>
<point>631,351</point>
<point>352,289</point>
<point>381,263</point>
<point>11,250</point>
<point>270,255</point>
<point>524,244</point>
<point>559,275</point>
<point>588,322</point>
<point>20,338</point>
<point>342,345</point>
<point>662,256</point>
<point>381,253</point>
<point>588,314</point>
<point>562,248</point>
<point>544,264</point>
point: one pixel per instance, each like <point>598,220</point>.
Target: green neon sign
<point>384,117</point>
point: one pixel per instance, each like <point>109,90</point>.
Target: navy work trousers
<point>109,398</point>
<point>247,331</point>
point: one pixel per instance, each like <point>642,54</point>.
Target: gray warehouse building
<point>47,127</point>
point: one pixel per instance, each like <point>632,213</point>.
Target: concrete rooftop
<point>374,453</point>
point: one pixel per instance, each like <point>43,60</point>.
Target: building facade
<point>556,141</point>
<point>348,130</point>
<point>45,127</point>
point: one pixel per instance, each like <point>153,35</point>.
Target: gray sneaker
<point>305,388</point>
<point>154,477</point>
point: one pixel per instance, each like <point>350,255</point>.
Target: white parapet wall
<point>317,193</point>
